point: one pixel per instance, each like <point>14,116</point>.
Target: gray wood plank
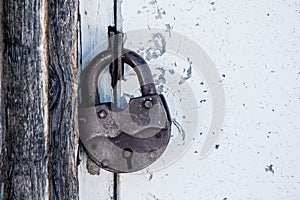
<point>39,84</point>
<point>63,50</point>
<point>26,141</point>
<point>1,105</point>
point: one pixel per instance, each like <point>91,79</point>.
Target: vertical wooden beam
<point>26,141</point>
<point>39,83</point>
<point>63,18</point>
<point>1,102</point>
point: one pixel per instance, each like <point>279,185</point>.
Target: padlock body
<point>142,128</point>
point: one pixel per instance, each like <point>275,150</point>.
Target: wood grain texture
<point>40,140</point>
<point>1,103</point>
<point>63,99</point>
<point>26,139</point>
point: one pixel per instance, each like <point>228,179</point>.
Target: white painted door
<point>95,17</point>
<point>254,47</point>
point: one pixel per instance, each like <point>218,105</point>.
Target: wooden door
<point>254,45</point>
<point>39,43</point>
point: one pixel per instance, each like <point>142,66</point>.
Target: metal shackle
<point>89,77</point>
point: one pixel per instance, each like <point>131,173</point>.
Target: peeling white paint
<point>96,16</point>
<point>255,46</point>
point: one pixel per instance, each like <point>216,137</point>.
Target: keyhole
<point>127,155</point>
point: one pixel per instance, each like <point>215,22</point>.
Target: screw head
<point>105,163</point>
<point>102,114</point>
<point>152,155</point>
<point>148,104</point>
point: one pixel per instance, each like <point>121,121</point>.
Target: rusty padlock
<point>129,139</point>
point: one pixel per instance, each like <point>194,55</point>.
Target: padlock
<point>123,140</point>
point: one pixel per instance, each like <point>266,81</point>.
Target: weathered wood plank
<point>26,140</point>
<point>39,84</point>
<point>1,105</point>
<point>63,18</point>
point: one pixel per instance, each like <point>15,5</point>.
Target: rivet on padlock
<point>143,126</point>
